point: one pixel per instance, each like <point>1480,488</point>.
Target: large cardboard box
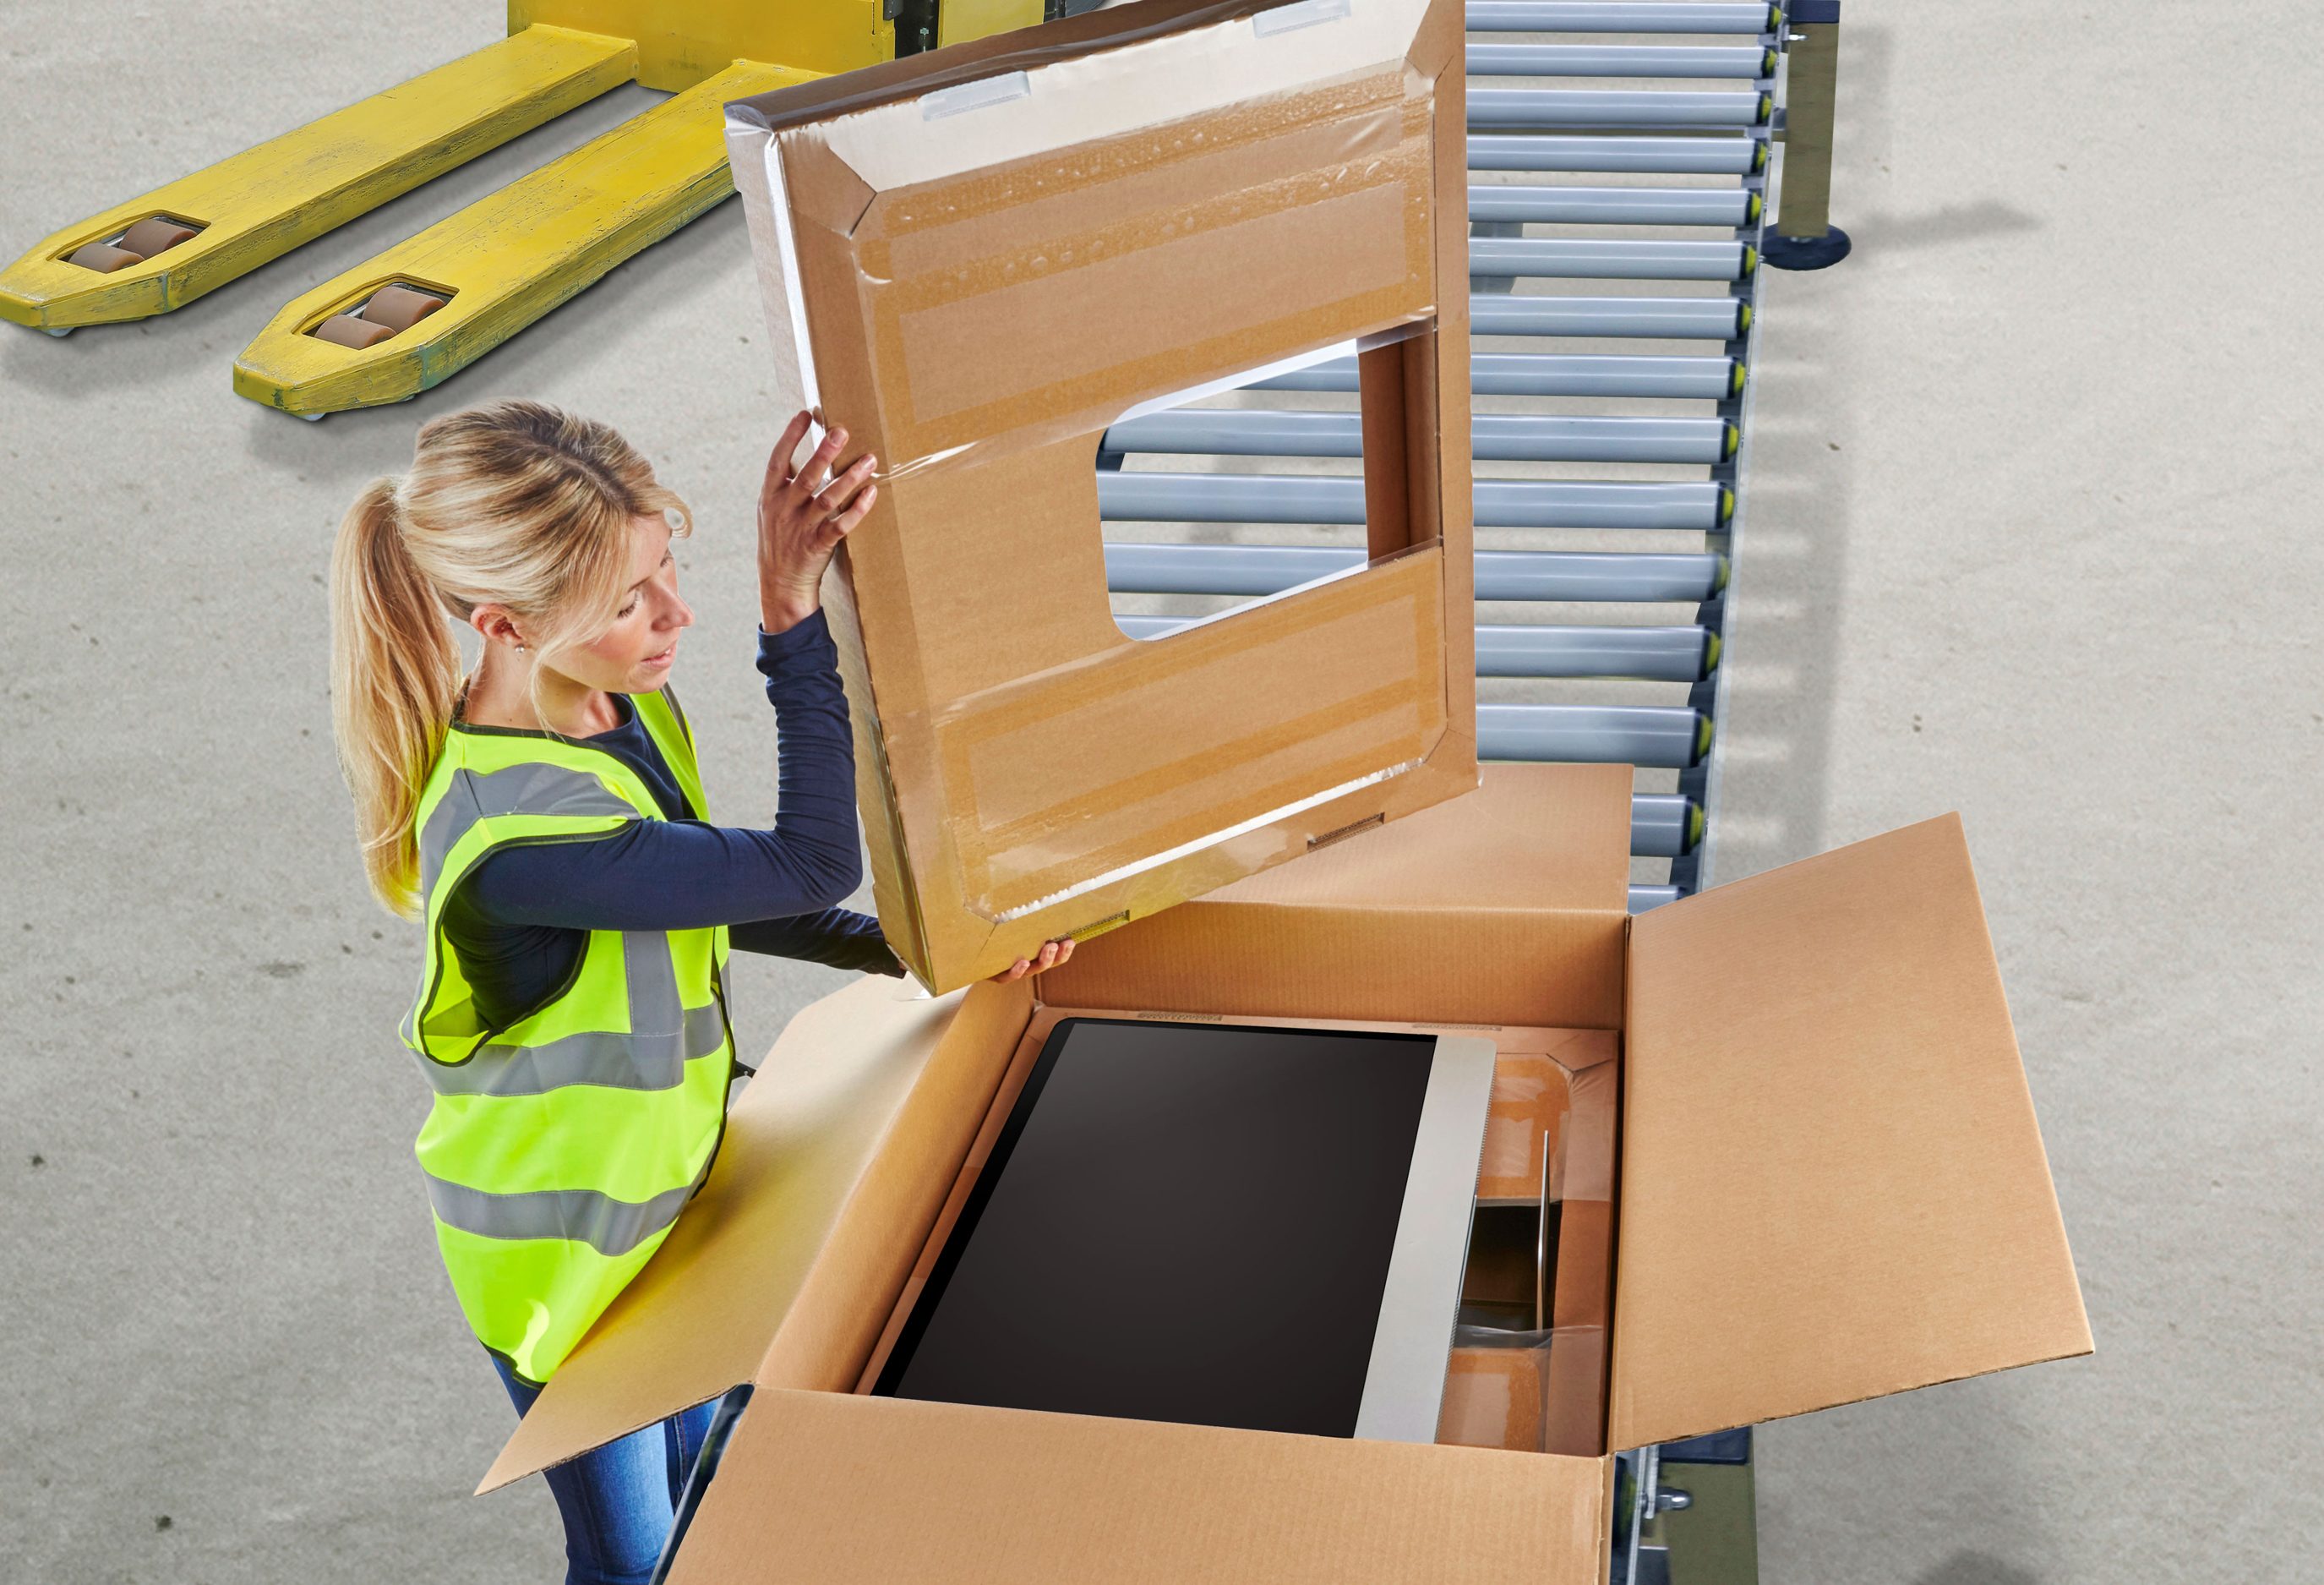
<point>978,258</point>
<point>1830,1187</point>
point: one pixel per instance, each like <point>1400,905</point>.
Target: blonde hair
<point>517,502</point>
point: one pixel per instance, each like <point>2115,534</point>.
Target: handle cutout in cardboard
<point>1163,525</point>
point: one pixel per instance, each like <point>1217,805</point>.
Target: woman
<point>544,819</point>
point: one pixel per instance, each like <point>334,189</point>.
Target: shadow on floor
<point>1976,1568</point>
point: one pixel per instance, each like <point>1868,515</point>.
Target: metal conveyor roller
<point>1221,497</point>
<point>1496,437</point>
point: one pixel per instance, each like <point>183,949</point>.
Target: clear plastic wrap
<point>1496,1389</point>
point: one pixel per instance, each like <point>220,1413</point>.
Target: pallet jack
<point>427,306</point>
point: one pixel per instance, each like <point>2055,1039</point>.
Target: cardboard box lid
<point>977,260</point>
<point>847,1490</point>
<point>1833,1186</point>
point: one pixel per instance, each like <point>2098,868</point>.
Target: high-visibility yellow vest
<point>559,1148</point>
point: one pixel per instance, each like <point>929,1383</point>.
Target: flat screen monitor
<point>1216,1224</point>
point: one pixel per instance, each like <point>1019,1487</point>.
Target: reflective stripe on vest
<point>521,789</point>
<point>652,1055</point>
<point>616,1061</point>
<point>607,1224</point>
<point>561,1147</point>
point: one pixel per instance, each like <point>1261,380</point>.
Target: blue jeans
<point>618,1499</point>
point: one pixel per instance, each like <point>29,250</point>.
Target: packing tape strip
<point>974,322</point>
<point>965,284</point>
<point>1034,823</point>
<point>977,95</point>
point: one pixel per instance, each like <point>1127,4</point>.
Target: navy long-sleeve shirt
<point>520,919</point>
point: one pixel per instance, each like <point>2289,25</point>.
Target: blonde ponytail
<point>516,502</point>
<point>394,670</point>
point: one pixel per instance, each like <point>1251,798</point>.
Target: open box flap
<point>1832,1185</point>
<point>1505,905</point>
<point>800,1164</point>
<point>1533,839</point>
<point>841,1489</point>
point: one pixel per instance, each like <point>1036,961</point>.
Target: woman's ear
<point>493,622</point>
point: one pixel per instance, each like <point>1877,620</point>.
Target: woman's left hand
<point>803,514</point>
<point>1052,954</point>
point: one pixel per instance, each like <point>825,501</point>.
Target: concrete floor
<point>2026,541</point>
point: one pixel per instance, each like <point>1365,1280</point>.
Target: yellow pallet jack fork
<point>418,312</point>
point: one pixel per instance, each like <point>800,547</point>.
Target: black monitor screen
<point>1178,1221</point>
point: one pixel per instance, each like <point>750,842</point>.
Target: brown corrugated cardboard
<point>1824,1047</point>
<point>1532,1097</point>
<point>977,259</point>
<point>1511,911</point>
<point>1573,1408</point>
<point>1493,1399</point>
<point>844,1490</point>
<point>797,1140</point>
<point>1848,1008</point>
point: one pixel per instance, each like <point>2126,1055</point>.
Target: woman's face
<point>635,654</point>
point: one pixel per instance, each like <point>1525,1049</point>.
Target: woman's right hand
<point>803,515</point>
<point>1052,954</point>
